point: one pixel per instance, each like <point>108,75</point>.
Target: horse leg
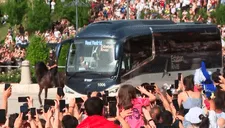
<point>39,96</point>
<point>46,93</point>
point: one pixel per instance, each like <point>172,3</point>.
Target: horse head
<point>40,70</point>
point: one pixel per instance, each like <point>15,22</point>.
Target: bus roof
<point>123,29</point>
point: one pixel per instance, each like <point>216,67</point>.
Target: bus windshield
<point>92,55</point>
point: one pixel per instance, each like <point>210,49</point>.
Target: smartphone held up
<point>2,116</point>
<point>7,85</point>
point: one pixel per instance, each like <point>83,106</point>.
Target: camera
<point>170,90</point>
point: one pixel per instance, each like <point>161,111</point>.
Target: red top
<point>206,102</point>
<point>97,122</point>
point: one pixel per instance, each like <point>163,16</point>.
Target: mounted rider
<point>52,65</point>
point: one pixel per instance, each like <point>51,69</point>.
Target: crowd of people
<point>198,101</point>
<point>112,10</point>
<point>60,30</point>
<point>151,9</point>
<point>11,52</point>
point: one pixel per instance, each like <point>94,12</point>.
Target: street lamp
<point>76,16</point>
<point>77,3</point>
<point>128,11</point>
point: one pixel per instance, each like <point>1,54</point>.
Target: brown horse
<point>46,80</point>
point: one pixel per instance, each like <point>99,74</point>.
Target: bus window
<point>185,51</point>
<point>126,63</point>
<point>136,51</point>
<point>93,55</point>
<point>162,45</point>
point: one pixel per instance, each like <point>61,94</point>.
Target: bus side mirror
<point>58,49</point>
<point>117,51</point>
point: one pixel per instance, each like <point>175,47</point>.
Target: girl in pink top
<point>127,100</point>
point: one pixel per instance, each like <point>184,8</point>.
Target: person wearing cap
<point>52,64</point>
<point>197,118</point>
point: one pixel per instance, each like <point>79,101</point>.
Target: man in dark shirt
<point>21,29</point>
<point>52,64</point>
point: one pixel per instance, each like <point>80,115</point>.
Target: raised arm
<point>6,94</point>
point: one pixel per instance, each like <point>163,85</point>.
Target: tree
<point>15,10</point>
<point>68,10</point>
<point>37,50</point>
<point>38,16</point>
<point>63,54</point>
<point>1,10</point>
<point>219,14</point>
<point>203,13</point>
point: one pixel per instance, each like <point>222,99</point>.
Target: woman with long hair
<point>188,98</point>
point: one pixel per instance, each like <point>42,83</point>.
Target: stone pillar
<point>25,73</point>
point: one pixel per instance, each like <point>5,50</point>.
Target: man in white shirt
<point>57,33</point>
<point>223,37</point>
<point>139,7</point>
<point>53,5</point>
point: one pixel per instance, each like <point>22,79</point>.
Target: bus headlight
<point>68,90</point>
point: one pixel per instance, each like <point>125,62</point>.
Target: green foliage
<point>63,54</point>
<point>152,13</point>
<point>12,76</point>
<point>203,13</point>
<point>16,11</point>
<point>38,16</point>
<point>1,10</point>
<point>180,14</point>
<point>37,50</point>
<point>33,76</point>
<point>83,16</point>
<point>2,41</point>
<point>142,14</point>
<point>3,32</point>
<point>219,14</point>
<point>188,15</point>
<point>68,11</point>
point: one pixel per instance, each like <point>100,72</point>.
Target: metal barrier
<point>9,66</point>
